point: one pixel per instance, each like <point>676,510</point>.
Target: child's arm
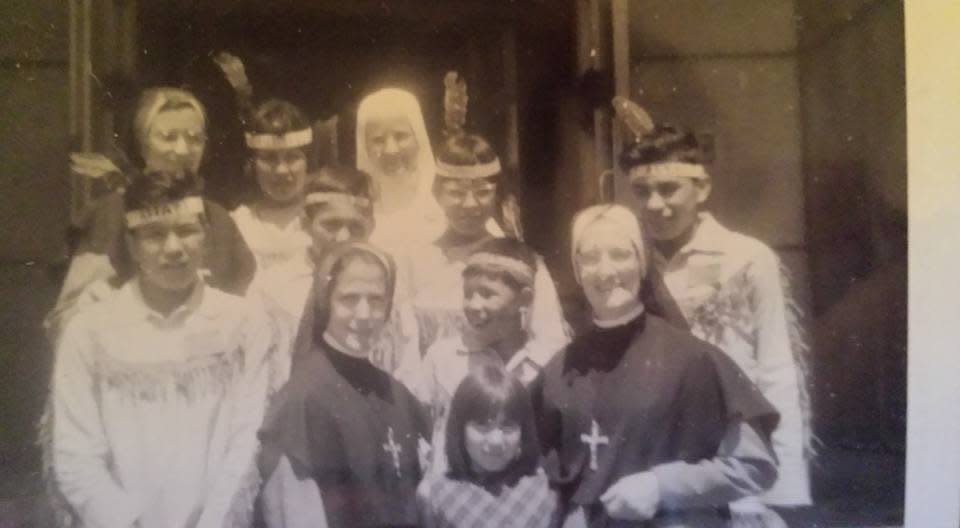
<point>80,447</point>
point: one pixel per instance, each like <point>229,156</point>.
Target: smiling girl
<point>494,479</point>
<point>281,159</point>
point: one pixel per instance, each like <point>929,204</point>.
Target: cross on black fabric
<point>394,449</point>
<point>594,440</point>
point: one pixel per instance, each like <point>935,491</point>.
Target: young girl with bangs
<point>494,477</point>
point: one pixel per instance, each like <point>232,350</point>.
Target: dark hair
<point>340,179</point>
<point>665,143</point>
<point>507,247</point>
<point>155,188</point>
<point>489,392</point>
<point>278,117</point>
<point>466,150</point>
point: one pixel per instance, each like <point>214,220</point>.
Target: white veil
<point>421,219</point>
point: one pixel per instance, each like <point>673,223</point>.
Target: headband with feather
<point>637,124</point>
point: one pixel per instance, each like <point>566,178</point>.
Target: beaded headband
<point>337,197</point>
<point>295,139</point>
<point>669,168</point>
<point>186,209</point>
<point>516,268</point>
<point>470,172</point>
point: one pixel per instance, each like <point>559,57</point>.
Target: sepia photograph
<point>461,263</point>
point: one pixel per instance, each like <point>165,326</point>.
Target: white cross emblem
<point>594,439</point>
<point>394,449</point>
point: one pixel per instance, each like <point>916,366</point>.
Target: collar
<point>708,237</point>
<point>519,357</point>
<point>339,346</point>
<point>134,307</point>
<point>622,320</point>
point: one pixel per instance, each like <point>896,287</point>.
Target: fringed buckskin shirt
<point>155,417</point>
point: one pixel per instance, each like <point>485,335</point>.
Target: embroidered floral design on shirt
<point>727,307</point>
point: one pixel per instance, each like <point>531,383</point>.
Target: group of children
<point>367,347</point>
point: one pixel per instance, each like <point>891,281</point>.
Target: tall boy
<point>158,391</point>
<point>729,287</point>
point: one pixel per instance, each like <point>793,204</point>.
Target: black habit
<point>623,400</point>
<point>354,430</point>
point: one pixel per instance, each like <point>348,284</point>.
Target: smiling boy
<point>729,286</point>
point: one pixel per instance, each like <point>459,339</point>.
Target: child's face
<point>492,445</point>
<point>336,222</point>
<point>281,174</point>
<point>168,252</point>
<point>358,306</point>
<point>492,307</point>
<point>467,204</point>
<point>668,202</point>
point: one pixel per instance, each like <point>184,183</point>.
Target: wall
<point>854,116</point>
<point>805,103</point>
<point>729,69</point>
<point>33,213</point>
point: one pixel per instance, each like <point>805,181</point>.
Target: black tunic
<point>656,394</point>
<point>339,420</point>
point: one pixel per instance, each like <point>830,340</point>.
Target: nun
<point>343,441</point>
<point>643,424</point>
<point>394,148</point>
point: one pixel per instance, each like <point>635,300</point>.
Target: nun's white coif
<point>419,219</point>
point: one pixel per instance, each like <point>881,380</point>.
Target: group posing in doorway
<point>377,346</point>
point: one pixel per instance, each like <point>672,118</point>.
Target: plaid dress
<point>449,503</point>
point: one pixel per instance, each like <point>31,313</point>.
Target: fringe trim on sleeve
<point>800,347</point>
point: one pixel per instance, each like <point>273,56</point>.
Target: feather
<point>636,119</point>
<point>510,216</point>
<point>455,101</point>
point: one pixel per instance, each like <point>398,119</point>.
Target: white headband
<point>515,267</point>
<point>669,168</point>
<point>297,138</point>
<point>186,209</point>
<point>471,172</point>
<point>335,197</point>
